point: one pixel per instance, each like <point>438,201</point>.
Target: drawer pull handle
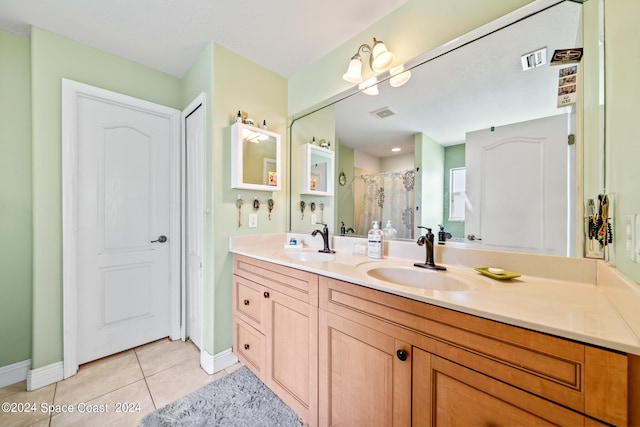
<point>402,355</point>
<point>266,294</point>
<point>246,346</point>
<point>246,302</point>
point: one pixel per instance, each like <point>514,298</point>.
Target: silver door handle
<point>161,239</point>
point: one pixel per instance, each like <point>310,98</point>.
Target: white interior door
<point>517,181</point>
<point>194,128</point>
<point>124,214</point>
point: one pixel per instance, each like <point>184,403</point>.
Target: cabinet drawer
<point>560,370</point>
<point>297,284</point>
<point>248,302</point>
<point>249,346</point>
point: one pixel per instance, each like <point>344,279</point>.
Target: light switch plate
<point>253,220</point>
<point>314,219</point>
<point>630,237</point>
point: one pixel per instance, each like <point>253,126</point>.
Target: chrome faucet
<point>427,242</point>
<point>325,237</point>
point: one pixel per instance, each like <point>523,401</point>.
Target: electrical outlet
<point>314,219</point>
<point>253,220</point>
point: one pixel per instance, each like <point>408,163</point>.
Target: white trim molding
<point>212,364</point>
<point>41,377</point>
<point>14,373</point>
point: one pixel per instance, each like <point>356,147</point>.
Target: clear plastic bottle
<point>389,232</point>
<point>375,241</point>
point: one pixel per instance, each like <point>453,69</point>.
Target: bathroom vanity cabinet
<point>275,321</point>
<point>385,360</point>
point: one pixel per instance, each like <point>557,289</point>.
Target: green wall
<point>622,93</point>
<point>239,84</point>
<point>231,83</point>
<point>52,58</point>
<point>344,193</point>
<point>15,199</point>
<point>453,158</point>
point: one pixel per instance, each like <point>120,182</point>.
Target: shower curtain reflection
<point>386,196</point>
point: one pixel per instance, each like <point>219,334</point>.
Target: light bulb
<point>354,72</point>
<point>381,57</point>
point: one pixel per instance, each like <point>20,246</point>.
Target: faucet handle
<point>426,228</point>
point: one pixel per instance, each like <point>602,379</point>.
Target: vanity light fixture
<point>396,149</point>
<point>380,59</point>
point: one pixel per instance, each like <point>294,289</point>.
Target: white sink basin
<point>308,255</point>
<point>416,277</point>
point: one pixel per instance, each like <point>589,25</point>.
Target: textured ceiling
<point>283,36</point>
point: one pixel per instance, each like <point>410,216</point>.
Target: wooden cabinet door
<point>445,393</point>
<point>363,381</point>
<point>292,352</point>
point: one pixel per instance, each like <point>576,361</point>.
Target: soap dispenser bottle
<point>375,241</point>
<point>389,232</point>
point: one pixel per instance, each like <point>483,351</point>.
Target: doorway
<point>121,223</point>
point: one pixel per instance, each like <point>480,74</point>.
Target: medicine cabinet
<point>317,170</point>
<point>255,158</point>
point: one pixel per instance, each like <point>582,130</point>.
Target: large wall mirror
<point>472,142</point>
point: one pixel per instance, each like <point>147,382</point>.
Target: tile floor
<point>120,389</point>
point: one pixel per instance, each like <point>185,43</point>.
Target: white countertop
<point>579,310</point>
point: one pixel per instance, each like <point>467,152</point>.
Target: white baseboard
<point>41,377</point>
<point>14,373</point>
<point>212,364</point>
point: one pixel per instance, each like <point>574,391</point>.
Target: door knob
<point>161,239</point>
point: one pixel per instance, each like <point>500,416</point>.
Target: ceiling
<point>167,35</point>
<point>475,87</point>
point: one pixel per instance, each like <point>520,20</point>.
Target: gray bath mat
<point>239,399</point>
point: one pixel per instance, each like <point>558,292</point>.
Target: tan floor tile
<point>164,354</point>
<point>13,388</point>
<point>123,407</point>
<point>43,423</point>
<point>98,378</point>
<point>176,382</point>
<point>37,407</point>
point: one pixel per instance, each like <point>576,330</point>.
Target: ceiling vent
<point>383,113</point>
<point>534,59</point>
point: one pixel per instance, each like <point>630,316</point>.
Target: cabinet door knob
<point>246,302</point>
<point>402,355</point>
<point>266,294</point>
<point>246,346</point>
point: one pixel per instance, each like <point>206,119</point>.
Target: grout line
<point>144,376</point>
<point>55,391</point>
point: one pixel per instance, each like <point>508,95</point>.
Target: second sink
<point>309,255</point>
<point>414,277</point>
